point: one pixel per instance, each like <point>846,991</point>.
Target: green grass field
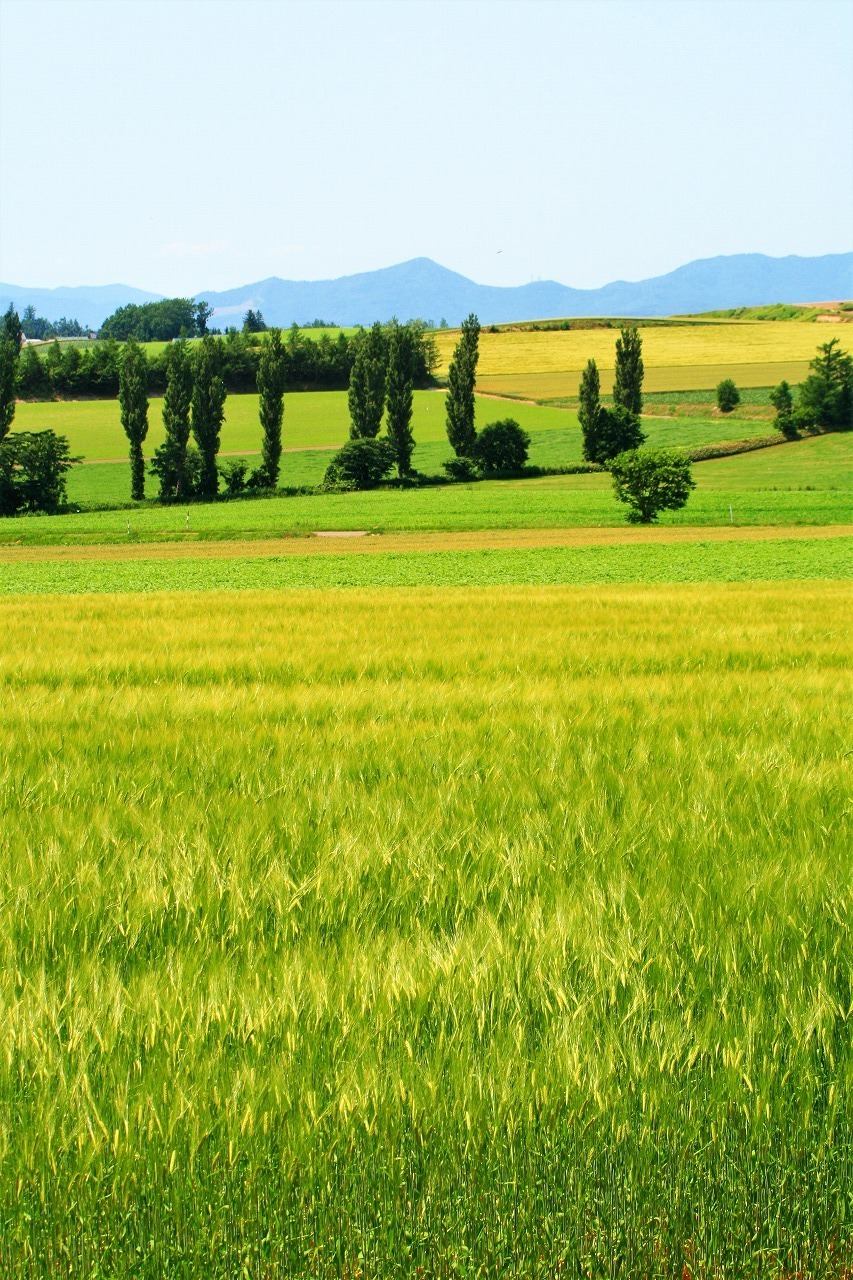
<point>311,419</point>
<point>458,933</point>
<point>318,421</point>
<point>555,446</point>
<point>809,482</point>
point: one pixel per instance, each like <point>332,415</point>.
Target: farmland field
<point>443,932</point>
<point>554,446</point>
<point>468,898</point>
<point>547,364</point>
<point>318,419</point>
<point>809,482</point>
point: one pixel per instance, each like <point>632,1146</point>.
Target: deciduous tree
<point>826,395</point>
<point>728,396</point>
<point>501,447</point>
<point>33,467</point>
<point>651,481</point>
<point>133,400</point>
<point>783,402</point>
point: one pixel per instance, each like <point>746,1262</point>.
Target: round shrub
<point>728,396</point>
<point>360,464</point>
<point>501,447</point>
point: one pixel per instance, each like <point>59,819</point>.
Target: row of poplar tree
<point>389,359</point>
<point>609,431</point>
<point>194,405</point>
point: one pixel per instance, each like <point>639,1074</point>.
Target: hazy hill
<point>89,304</point>
<point>425,289</point>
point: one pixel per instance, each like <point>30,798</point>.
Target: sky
<point>190,145</point>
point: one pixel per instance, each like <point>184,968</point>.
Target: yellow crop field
<point>677,357</point>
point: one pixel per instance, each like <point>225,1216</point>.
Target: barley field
<point>546,365</point>
<point>458,932</point>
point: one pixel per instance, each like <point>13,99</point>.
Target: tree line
<point>161,321</point>
<point>39,328</point>
<point>69,372</point>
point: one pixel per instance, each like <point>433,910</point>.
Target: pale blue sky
<point>184,145</point>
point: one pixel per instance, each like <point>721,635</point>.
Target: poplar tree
<point>367,385</point>
<point>399,397</point>
<point>10,350</point>
<point>208,410</point>
<point>461,381</point>
<point>628,381</point>
<point>177,403</point>
<point>589,410</point>
<point>133,400</point>
<point>272,372</point>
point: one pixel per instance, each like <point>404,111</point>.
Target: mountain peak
<point>422,288</point>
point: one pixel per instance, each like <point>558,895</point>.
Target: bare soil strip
<point>371,544</point>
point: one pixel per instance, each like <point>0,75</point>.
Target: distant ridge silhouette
<point>422,288</point>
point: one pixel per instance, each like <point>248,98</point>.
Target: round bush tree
<point>651,481</point>
<point>360,464</point>
<point>728,396</point>
<point>501,447</point>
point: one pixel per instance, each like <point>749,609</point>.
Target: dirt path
<point>190,547</point>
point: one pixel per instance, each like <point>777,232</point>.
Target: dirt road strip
<point>475,540</point>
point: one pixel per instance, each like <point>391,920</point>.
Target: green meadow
<point>809,482</point>
<point>318,419</point>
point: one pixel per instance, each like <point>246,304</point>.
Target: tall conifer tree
<point>589,410</point>
<point>177,403</point>
<point>10,350</point>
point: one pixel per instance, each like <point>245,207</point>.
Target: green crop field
<point>311,419</point>
<point>432,932</point>
<point>699,561</point>
<point>469,898</point>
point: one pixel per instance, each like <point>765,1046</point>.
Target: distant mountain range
<point>422,288</point>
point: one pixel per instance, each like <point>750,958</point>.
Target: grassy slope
<point>440,933</point>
